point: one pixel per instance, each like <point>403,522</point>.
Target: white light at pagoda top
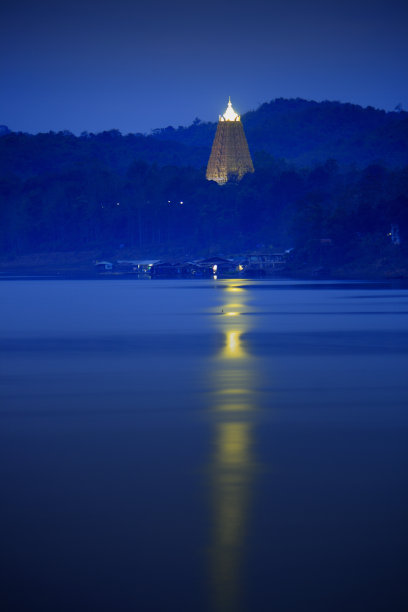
<point>230,114</point>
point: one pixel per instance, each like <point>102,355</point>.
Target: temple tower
<point>230,157</point>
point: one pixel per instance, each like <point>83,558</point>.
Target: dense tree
<point>149,196</point>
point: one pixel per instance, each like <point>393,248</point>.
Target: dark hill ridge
<point>302,132</point>
<point>136,196</point>
<point>26,155</point>
<point>307,132</point>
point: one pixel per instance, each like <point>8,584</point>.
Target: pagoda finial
<point>230,114</point>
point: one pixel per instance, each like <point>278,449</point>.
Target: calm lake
<point>216,445</point>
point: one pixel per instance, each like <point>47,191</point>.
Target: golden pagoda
<point>230,157</point>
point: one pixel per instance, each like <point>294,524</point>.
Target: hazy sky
<point>136,65</point>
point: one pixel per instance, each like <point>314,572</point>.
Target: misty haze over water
<point>224,445</point>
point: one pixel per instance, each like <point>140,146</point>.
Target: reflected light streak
<point>233,445</point>
<point>232,465</point>
<point>234,391</point>
<point>234,407</point>
<point>233,348</point>
<point>234,289</point>
<point>232,474</point>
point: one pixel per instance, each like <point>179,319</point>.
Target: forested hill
<point>330,182</point>
<point>28,155</point>
<point>301,132</point>
<point>307,132</point>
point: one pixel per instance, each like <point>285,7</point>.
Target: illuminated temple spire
<point>230,157</point>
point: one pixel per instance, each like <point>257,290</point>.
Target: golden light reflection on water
<point>232,465</point>
<point>233,348</point>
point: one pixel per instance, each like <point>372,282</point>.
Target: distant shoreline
<point>81,266</point>
<point>371,282</point>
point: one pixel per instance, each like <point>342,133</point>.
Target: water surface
<point>203,445</point>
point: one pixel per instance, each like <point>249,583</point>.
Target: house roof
<point>214,260</point>
<point>139,262</point>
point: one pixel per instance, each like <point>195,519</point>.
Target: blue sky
<point>134,66</point>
